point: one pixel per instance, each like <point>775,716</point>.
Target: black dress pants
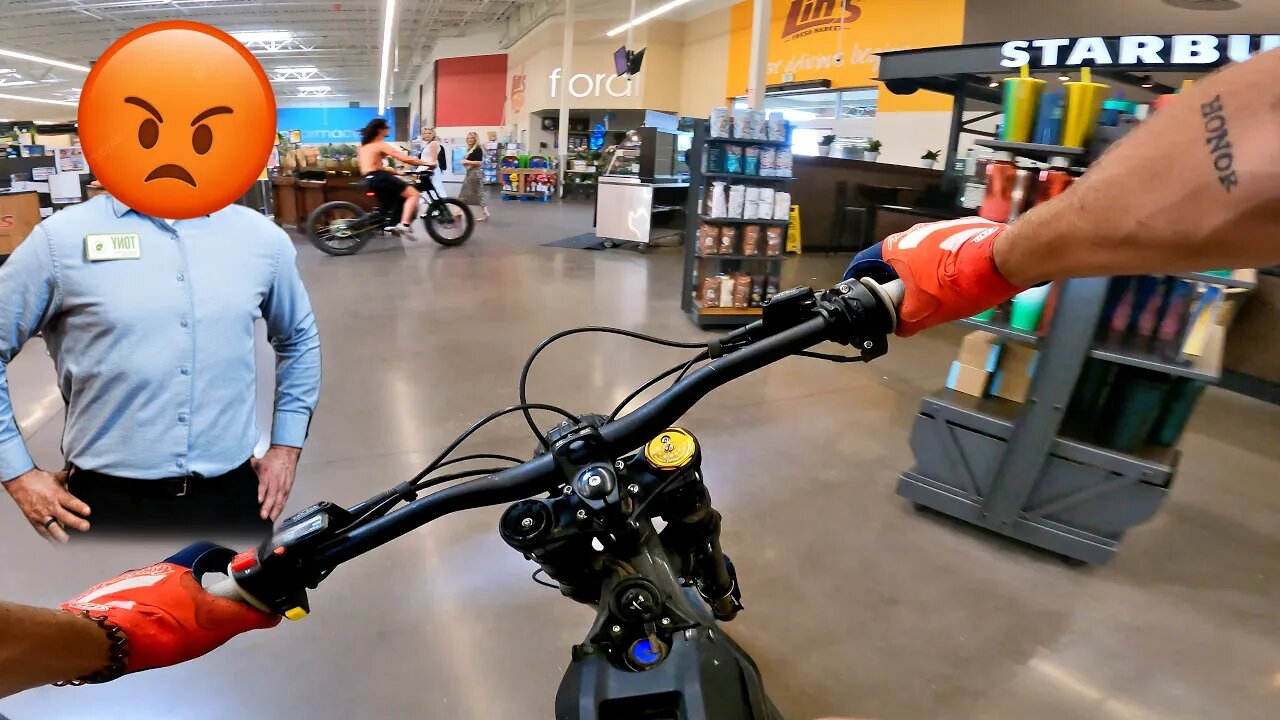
<point>193,508</point>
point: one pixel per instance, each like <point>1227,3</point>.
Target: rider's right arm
<point>28,301</point>
<point>392,151</point>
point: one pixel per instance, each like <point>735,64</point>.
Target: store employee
<point>150,323</point>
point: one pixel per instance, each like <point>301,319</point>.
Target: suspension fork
<point>694,529</point>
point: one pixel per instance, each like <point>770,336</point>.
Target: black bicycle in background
<point>339,227</point>
<point>584,511</point>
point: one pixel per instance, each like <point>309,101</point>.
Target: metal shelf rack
<point>695,215</point>
<point>1017,469</point>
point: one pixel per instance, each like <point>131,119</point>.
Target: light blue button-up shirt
<point>154,355</point>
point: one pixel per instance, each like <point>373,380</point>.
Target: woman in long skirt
<point>473,182</point>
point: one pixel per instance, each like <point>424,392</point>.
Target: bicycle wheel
<point>339,228</point>
<point>448,221</point>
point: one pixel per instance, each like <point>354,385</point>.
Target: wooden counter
<point>295,199</point>
<point>284,198</point>
<point>826,185</point>
<point>19,212</point>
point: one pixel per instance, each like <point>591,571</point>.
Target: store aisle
<point>856,604</point>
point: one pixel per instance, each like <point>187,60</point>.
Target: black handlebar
<point>869,318</point>
<point>860,313</point>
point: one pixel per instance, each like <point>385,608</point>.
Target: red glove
<point>948,270</point>
<point>166,616</point>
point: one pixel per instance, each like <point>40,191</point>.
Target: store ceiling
<point>333,45</point>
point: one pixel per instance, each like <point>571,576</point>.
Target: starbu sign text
<point>1135,50</point>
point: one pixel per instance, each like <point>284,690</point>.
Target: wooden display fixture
<point>19,213</point>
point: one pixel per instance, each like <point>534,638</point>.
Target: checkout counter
<point>19,213</point>
<point>641,197</point>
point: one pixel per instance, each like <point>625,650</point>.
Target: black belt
<point>164,487</point>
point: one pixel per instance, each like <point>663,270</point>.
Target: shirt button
<point>180,464</point>
<point>185,371</point>
<point>181,278</point>
<point>183,323</point>
<point>182,418</point>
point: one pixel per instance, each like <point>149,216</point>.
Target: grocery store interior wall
<point>470,90</point>
<point>706,62</point>
<point>422,107</point>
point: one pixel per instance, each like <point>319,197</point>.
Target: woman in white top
<point>433,156</point>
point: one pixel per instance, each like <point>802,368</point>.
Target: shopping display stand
<point>1017,468</point>
<point>528,184</point>
<point>696,265</point>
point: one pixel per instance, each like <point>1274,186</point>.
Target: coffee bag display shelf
<point>717,317</point>
<point>743,176</point>
<point>741,221</point>
<point>757,143</point>
<point>746,258</point>
<point>1018,469</point>
<point>733,313</point>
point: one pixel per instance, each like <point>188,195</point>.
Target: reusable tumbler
<point>1084,106</point>
<point>1049,119</point>
<point>1021,100</point>
<point>1027,306</point>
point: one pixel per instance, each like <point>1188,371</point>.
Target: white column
<point>761,16</point>
<point>566,71</point>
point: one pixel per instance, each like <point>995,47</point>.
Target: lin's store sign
<point>806,18</point>
<point>1136,51</point>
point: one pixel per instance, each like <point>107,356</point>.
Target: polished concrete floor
<point>857,605</point>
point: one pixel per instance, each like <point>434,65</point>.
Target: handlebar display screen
<point>302,530</point>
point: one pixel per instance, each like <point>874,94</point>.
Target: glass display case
<point>626,159</point>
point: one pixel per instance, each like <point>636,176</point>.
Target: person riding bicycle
<point>374,149</point>
<point>1150,206</point>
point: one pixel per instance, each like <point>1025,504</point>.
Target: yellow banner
<point>837,40</point>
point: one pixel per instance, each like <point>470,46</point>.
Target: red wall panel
<point>470,90</point>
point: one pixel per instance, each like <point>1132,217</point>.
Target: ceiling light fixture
<point>1064,78</point>
<point>1147,82</point>
<point>124,4</point>
<point>646,17</point>
<point>295,70</point>
<point>16,83</point>
<point>388,19</point>
<point>315,88</point>
<point>263,36</point>
<point>42,60</point>
<point>36,100</point>
<point>993,84</point>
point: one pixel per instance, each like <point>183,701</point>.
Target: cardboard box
<point>1021,358</point>
<point>980,350</point>
<point>1011,385</point>
<point>967,379</point>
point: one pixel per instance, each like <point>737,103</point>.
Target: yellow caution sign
<point>793,231</point>
<point>671,450</point>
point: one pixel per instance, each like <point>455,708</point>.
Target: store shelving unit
<point>696,265</point>
<point>1023,470</point>
<point>490,166</point>
<point>525,190</point>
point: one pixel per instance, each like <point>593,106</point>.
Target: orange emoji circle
<point>177,119</point>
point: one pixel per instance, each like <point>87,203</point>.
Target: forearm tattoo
<point>1218,138</point>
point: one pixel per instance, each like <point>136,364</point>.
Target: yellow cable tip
<point>295,614</point>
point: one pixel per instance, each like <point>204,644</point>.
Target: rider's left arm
<point>38,647</point>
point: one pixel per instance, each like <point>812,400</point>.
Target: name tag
<point>112,246</point>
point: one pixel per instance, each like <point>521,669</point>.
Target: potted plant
<point>873,150</point>
<point>824,145</point>
<point>930,158</point>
